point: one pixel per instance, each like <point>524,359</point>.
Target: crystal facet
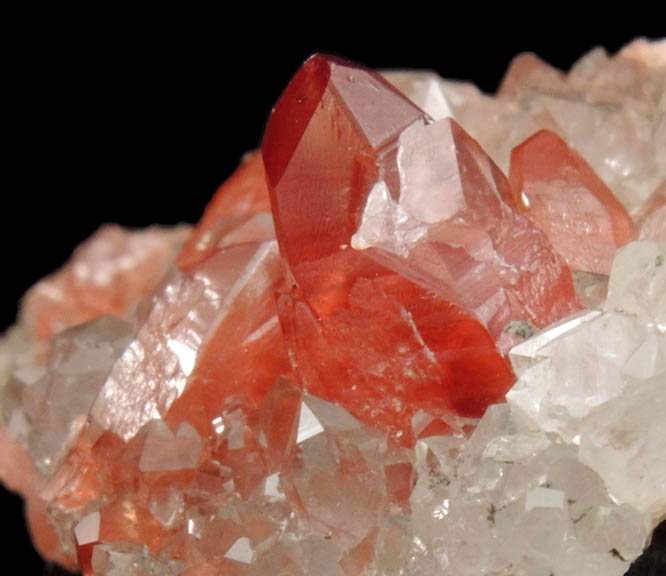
<point>565,198</point>
<point>315,383</point>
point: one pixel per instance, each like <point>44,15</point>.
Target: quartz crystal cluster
<point>422,331</point>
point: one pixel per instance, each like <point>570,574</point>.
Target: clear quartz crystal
<point>612,111</point>
<point>623,440</point>
<point>528,512</point>
<point>129,559</point>
<point>79,365</point>
<point>638,282</point>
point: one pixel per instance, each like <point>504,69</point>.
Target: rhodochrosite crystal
<point>566,199</point>
<point>375,353</point>
<point>422,290</point>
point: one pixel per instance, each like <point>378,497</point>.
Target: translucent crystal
<point>155,368</point>
<point>108,274</point>
<point>87,530</point>
<point>623,441</point>
<point>316,386</point>
<point>125,559</point>
<point>164,450</point>
<point>581,368</point>
<point>611,110</point>
<point>240,551</point>
<point>563,196</point>
<point>58,397</point>
<point>638,282</point>
<point>425,89</point>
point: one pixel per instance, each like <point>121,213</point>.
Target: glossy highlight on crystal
<point>375,353</point>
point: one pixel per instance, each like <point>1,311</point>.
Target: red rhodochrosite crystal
<point>562,195</point>
<point>298,391</point>
<point>238,212</point>
<point>108,274</point>
<point>212,333</point>
<point>470,245</point>
<point>384,332</point>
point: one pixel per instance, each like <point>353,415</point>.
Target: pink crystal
<point>238,212</point>
<point>562,195</point>
<point>108,274</point>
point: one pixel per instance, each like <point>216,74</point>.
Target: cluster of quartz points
<point>312,381</point>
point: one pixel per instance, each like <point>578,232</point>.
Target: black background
<point>137,119</point>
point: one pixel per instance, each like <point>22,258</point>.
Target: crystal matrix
<point>316,386</point>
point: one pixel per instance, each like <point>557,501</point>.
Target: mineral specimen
<point>313,379</point>
<point>566,199</point>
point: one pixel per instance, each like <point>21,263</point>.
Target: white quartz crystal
<point>544,498</point>
<point>87,530</point>
<point>308,425</point>
<point>624,441</point>
<point>537,510</point>
<point>240,551</point>
<point>425,89</point>
<point>638,282</point>
<point>154,369</point>
<point>46,406</point>
<point>130,559</point>
<point>386,224</point>
<point>612,111</point>
<point>584,367</point>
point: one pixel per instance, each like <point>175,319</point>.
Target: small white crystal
<point>533,350</point>
<point>87,530</point>
<point>272,486</point>
<point>165,506</point>
<point>515,447</point>
<point>648,360</point>
<point>131,559</point>
<point>330,416</point>
<point>637,283</point>
<point>430,184</point>
<point>185,353</point>
<point>236,430</point>
<point>308,425</point>
<point>425,89</point>
<point>385,224</point>
<point>621,528</point>
<point>584,367</point>
<point>240,551</point>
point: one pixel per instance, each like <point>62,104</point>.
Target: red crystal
<point>477,252</point>
<point>368,329</point>
<point>108,274</point>
<point>562,195</point>
<point>238,212</point>
<point>400,274</point>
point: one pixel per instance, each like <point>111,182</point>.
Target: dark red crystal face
<point>360,329</point>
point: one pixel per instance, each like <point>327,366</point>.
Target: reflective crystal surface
<point>375,353</point>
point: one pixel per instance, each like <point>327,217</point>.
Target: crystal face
<point>565,198</point>
<point>375,353</point>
